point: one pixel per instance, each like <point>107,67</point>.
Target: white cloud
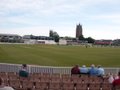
<point>57,12</point>
<point>47,6</point>
<point>111,19</point>
<point>42,30</point>
<point>108,16</point>
<point>102,32</point>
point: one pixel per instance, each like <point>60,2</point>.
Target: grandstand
<point>10,38</point>
<point>52,78</point>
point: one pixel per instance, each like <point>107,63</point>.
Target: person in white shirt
<point>2,87</point>
<point>111,78</point>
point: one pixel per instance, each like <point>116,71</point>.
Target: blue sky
<point>100,18</point>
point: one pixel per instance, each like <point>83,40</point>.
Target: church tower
<point>78,31</point>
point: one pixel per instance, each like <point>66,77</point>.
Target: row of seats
<point>47,81</point>
<point>57,86</point>
<point>56,77</point>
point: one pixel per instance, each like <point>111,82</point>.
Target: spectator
<point>75,70</point>
<point>100,71</point>
<point>111,78</point>
<point>93,70</point>
<point>115,76</point>
<point>83,70</point>
<point>116,82</point>
<point>23,72</point>
<point>2,87</point>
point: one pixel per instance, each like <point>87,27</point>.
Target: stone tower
<point>78,31</point>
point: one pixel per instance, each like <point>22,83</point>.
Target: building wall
<point>62,42</point>
<point>102,42</point>
<point>31,41</point>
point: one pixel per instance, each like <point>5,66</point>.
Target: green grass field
<point>56,55</point>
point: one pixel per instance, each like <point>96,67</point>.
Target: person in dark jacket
<point>75,70</point>
<point>23,72</point>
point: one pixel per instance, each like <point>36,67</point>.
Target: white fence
<point>45,69</point>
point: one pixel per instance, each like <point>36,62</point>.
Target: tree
<point>90,40</point>
<point>81,37</point>
<point>56,38</point>
<point>54,35</point>
<point>51,33</point>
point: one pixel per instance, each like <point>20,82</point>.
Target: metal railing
<point>4,67</point>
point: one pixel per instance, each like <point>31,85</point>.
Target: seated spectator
<point>2,87</point>
<point>75,70</point>
<point>93,70</point>
<point>116,82</point>
<point>111,78</point>
<point>115,76</point>
<point>23,72</point>
<point>83,70</point>
<point>100,71</point>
